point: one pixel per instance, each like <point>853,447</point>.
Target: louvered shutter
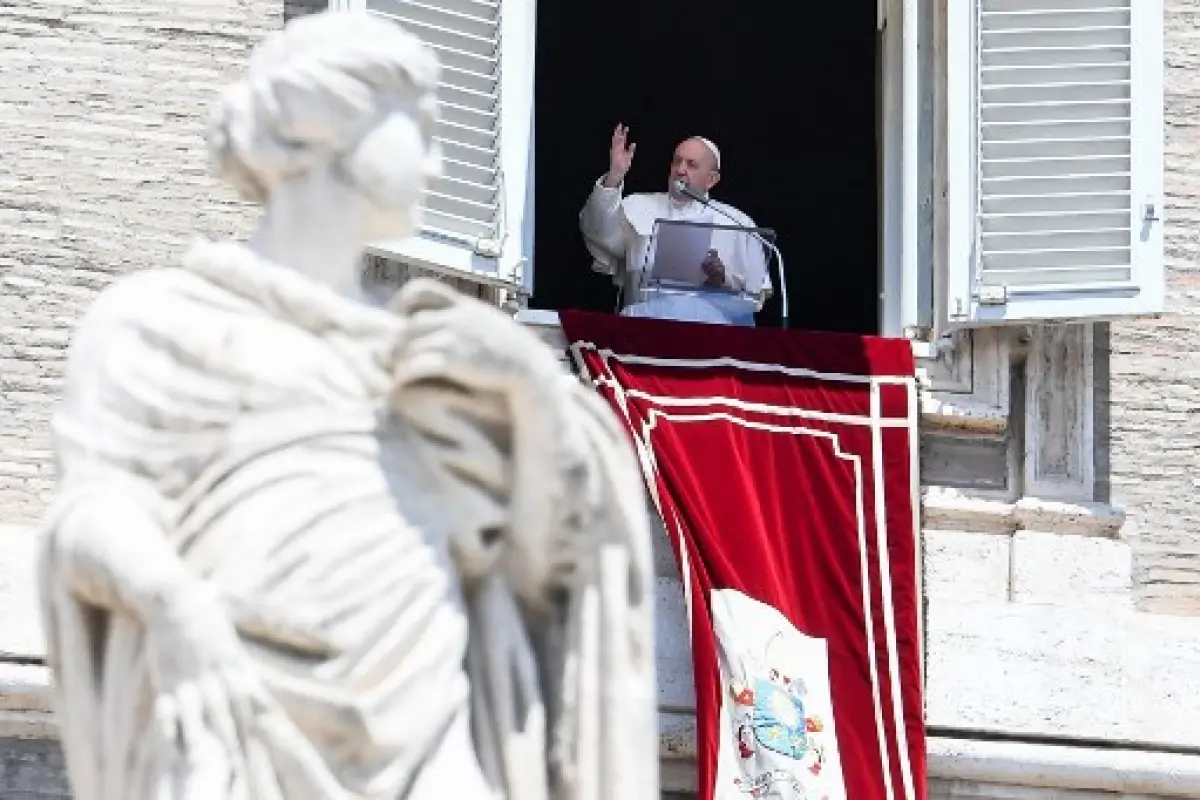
<point>473,214</point>
<point>1054,159</point>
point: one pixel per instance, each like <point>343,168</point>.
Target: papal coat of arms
<point>778,740</point>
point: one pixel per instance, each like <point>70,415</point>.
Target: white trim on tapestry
<point>746,405</point>
<point>749,366</point>
<point>914,480</point>
<point>885,580</point>
<point>685,570</point>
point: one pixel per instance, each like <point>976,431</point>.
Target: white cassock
<point>618,232</point>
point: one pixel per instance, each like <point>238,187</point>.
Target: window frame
<point>906,306</point>
<point>1145,293</point>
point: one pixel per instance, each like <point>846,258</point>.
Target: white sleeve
<point>603,228</point>
<point>751,273</point>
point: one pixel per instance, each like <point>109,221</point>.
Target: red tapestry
<point>784,466</point>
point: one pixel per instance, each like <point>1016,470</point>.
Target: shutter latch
<point>489,248</point>
<point>1150,212</point>
<point>992,295</point>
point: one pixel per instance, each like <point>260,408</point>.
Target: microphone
<point>687,191</point>
<point>681,187</point>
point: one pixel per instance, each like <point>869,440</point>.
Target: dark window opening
<point>786,90</point>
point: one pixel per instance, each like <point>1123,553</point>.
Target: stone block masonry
<point>103,108</point>
<point>1155,365</point>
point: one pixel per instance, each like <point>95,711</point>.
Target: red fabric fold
<point>783,464</point>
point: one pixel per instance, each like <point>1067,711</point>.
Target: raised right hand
<point>620,156</point>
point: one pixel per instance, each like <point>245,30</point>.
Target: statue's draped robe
<point>392,552</point>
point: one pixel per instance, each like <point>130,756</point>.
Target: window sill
<point>951,510</point>
<point>26,702</point>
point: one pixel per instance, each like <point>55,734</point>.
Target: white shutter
<point>474,222</point>
<point>1054,159</point>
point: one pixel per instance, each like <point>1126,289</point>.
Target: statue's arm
<point>109,552</point>
<point>107,546</point>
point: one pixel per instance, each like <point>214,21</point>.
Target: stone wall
<point>1155,381</point>
<point>103,172</point>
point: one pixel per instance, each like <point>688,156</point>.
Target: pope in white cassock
<point>619,232</point>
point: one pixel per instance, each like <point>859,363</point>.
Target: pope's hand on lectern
<point>713,269</point>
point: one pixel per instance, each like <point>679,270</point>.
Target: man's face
<point>695,165</point>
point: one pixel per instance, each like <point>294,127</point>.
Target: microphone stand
<point>704,200</point>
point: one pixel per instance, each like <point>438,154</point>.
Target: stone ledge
<point>949,509</point>
<point>946,412</point>
<point>26,702</point>
<point>1054,766</point>
<point>677,751</point>
<point>20,617</point>
<point>1081,519</point>
<point>1006,763</point>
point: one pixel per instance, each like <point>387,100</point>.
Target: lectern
<point>674,275</point>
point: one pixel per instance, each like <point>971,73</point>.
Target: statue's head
<point>344,101</point>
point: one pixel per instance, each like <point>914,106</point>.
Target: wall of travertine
<point>103,172</point>
<point>1155,365</point>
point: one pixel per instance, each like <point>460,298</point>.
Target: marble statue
<point>306,545</point>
